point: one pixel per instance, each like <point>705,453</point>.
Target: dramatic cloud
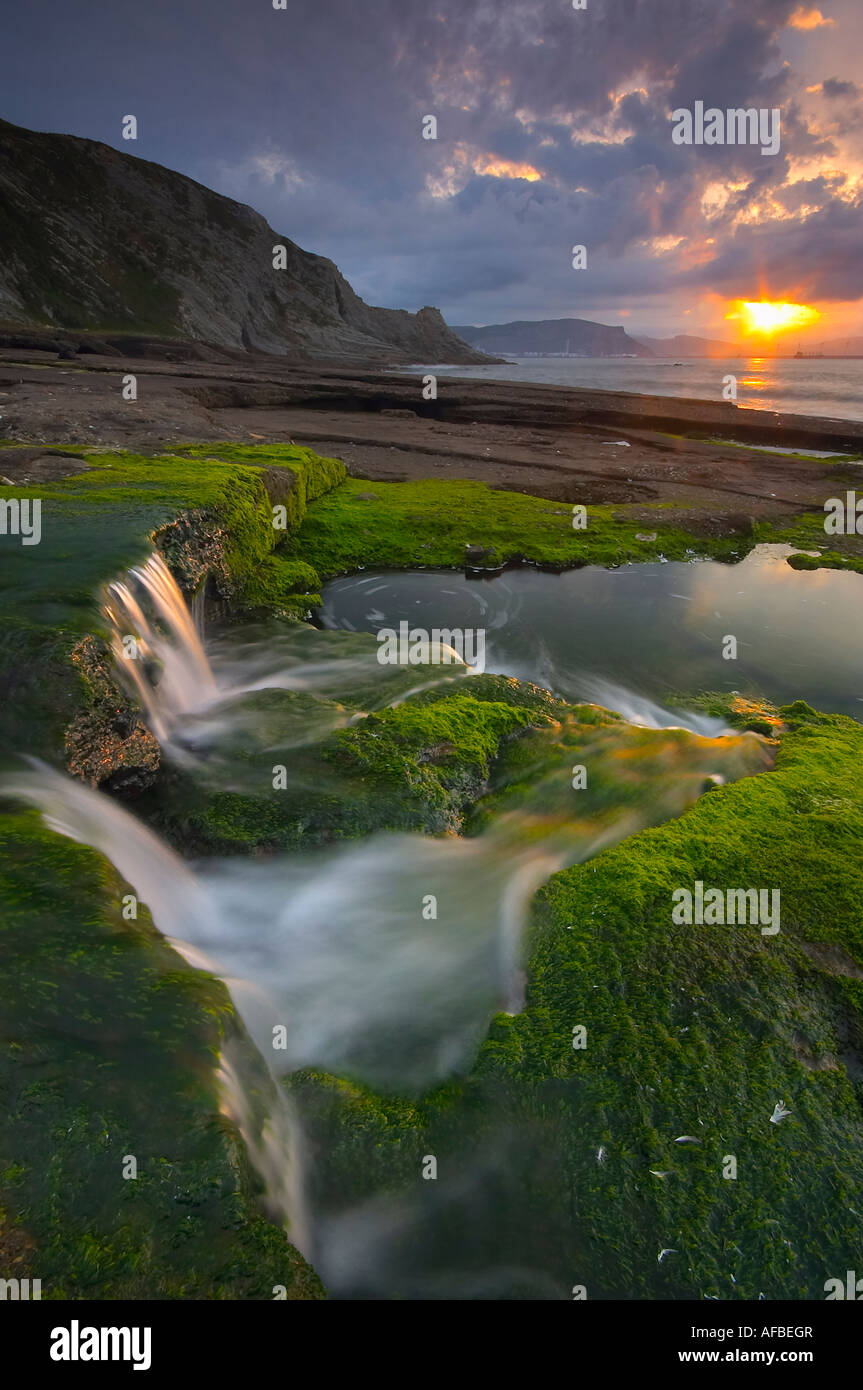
<point>553,129</point>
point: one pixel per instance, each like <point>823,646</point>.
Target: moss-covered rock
<point>107,744</point>
<point>418,766</point>
<point>213,517</point>
<point>692,1031</point>
<point>111,1041</point>
<point>111,1045</point>
<point>428,523</point>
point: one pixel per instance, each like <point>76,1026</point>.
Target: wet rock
<point>476,554</point>
<point>38,466</point>
<point>107,745</point>
<point>193,547</point>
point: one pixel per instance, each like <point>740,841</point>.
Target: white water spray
<point>164,663</point>
<point>192,703</point>
<point>332,952</point>
<point>646,713</point>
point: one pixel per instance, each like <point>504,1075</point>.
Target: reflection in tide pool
<point>655,628</point>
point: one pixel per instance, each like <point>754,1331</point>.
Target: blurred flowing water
<point>195,703</point>
<point>330,952</point>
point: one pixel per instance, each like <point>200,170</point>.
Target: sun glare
<point>765,317</point>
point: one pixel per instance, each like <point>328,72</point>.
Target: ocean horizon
<point>829,387</point>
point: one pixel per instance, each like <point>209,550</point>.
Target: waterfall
<point>182,907</point>
<point>274,1143</point>
<point>156,646</point>
<point>333,958</point>
<point>191,705</point>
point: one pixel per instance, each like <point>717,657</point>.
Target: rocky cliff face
<point>91,238</point>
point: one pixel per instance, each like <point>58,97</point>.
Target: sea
<point>829,387</point>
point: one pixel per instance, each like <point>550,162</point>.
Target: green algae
<point>418,766</point>
<point>807,531</point>
<point>96,524</point>
<point>403,525</point>
<point>691,1030</point>
<point>827,560</point>
<point>689,1027</point>
<point>432,524</point>
<point>112,1041</point>
<point>109,1048</point>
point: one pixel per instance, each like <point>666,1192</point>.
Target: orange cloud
<point>466,161</point>
<point>808,19</point>
<point>506,169</point>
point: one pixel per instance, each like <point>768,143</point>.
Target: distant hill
<point>553,337</point>
<point>838,347</point>
<point>95,239</point>
<point>686,345</point>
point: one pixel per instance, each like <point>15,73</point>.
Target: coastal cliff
<point>99,240</point>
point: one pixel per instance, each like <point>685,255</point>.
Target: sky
<point>554,129</point>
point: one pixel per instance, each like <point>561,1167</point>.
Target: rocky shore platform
<point>570,445</point>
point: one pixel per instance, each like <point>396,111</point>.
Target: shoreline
<point>570,445</point>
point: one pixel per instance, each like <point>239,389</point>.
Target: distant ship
<point>808,355</point>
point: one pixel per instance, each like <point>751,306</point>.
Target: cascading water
<point>274,1143</point>
<point>191,705</point>
<point>644,712</point>
<point>156,646</point>
<point>332,952</point>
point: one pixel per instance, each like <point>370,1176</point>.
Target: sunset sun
<point>766,317</point>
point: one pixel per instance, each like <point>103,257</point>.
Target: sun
<point>766,317</point>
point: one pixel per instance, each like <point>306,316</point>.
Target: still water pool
<point>641,633</point>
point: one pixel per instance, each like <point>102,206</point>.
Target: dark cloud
<point>787,260</point>
<point>313,115</point>
<point>833,87</point>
